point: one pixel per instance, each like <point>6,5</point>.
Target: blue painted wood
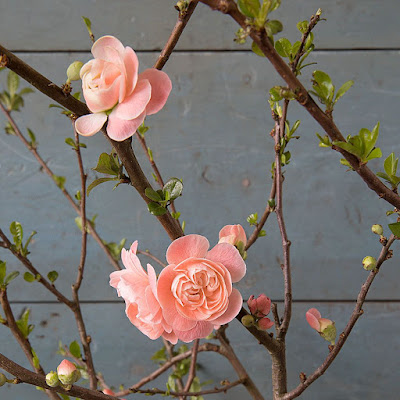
<point>366,368</point>
<point>146,25</point>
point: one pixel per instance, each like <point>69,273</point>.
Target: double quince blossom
<point>195,290</point>
<point>113,89</point>
<point>233,234</point>
<point>325,327</point>
<point>138,289</point>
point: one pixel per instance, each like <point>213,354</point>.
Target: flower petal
<point>89,124</point>
<point>187,246</point>
<point>229,256</point>
<point>160,89</point>
<point>131,67</point>
<point>201,330</point>
<point>313,316</point>
<point>136,103</point>
<point>120,129</point>
<point>101,46</point>
<point>235,304</point>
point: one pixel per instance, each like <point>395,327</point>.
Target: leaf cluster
<point>390,166</point>
<point>12,99</point>
<point>4,278</point>
<point>162,198</point>
<point>18,235</point>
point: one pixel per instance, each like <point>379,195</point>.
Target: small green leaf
<point>252,219</point>
<point>156,209</point>
<point>3,271</point>
<point>395,229</point>
<point>174,187</point>
<point>283,47</point>
<point>70,142</point>
<point>343,89</point>
<point>18,233</point>
<point>143,129</point>
<point>249,8</point>
<point>26,90</point>
<point>273,27</point>
<point>257,50</point>
<point>98,182</point>
<point>78,195</point>
<point>10,277</point>
<point>302,26</point>
<point>160,356</point>
<point>153,195</point>
<point>262,233</point>
<point>24,250</point>
<point>75,349</point>
<point>52,276</point>
<point>32,136</point>
<point>275,93</point>
<point>12,82</point>
<point>77,95</point>
<point>35,359</point>
<point>29,277</point>
<point>106,164</point>
<point>115,248</point>
<point>59,181</point>
<point>88,24</point>
<point>176,215</point>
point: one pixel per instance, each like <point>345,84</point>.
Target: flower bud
<point>248,321</point>
<point>67,373</point>
<point>110,392</point>
<point>234,235</point>
<point>73,71</point>
<point>377,229</point>
<point>52,379</point>
<point>3,380</point>
<point>259,307</point>
<point>369,263</point>
<point>264,323</point>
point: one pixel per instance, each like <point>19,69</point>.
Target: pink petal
<point>171,337</point>
<point>134,247</point>
<point>136,103</point>
<point>312,316</point>
<point>201,330</point>
<point>229,256</point>
<point>99,48</point>
<point>119,129</point>
<point>265,323</point>
<point>235,304</point>
<point>160,89</point>
<point>187,246</point>
<point>167,301</point>
<point>131,67</point>
<point>89,124</point>
<point>152,279</point>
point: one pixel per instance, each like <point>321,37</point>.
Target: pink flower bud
<point>110,392</point>
<point>259,307</point>
<point>233,234</point>
<point>325,327</point>
<point>264,324</point>
<point>67,373</point>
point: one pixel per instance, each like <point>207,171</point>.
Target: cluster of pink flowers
<point>260,307</point>
<point>114,90</point>
<point>192,295</point>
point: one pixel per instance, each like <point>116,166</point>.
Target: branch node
<point>3,60</point>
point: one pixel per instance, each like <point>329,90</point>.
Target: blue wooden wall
<point>213,133</point>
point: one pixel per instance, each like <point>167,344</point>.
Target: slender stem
<point>356,314</point>
<point>153,257</point>
<point>325,120</point>
<point>192,368</point>
<point>170,351</point>
<point>45,168</point>
<point>21,339</point>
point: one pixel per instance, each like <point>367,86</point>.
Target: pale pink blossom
<point>138,289</point>
<point>114,90</point>
<point>195,290</point>
<point>314,319</point>
<point>264,323</point>
<point>233,234</point>
<point>67,373</point>
<point>260,306</point>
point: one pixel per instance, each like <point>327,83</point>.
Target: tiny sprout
<point>369,263</point>
<point>248,321</point>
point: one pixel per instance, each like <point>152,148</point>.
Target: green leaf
<point>160,355</point>
<point>70,142</point>
<point>12,82</point>
<point>273,27</point>
<point>35,359</point>
<point>257,50</point>
<point>390,164</point>
<point>98,182</point>
<point>23,323</point>
<point>18,233</point>
<point>283,47</point>
<point>29,277</point>
<point>143,129</point>
<point>302,26</point>
<point>107,165</point>
<point>343,89</point>
<point>156,209</point>
<point>252,219</point>
<point>32,136</point>
<point>3,271</point>
<point>75,349</point>
<point>52,276</point>
<point>59,181</point>
<point>395,229</point>
<point>250,8</point>
<point>10,277</point>
<point>24,250</point>
<point>152,195</point>
<point>375,153</point>
<point>77,95</point>
<point>176,215</point>
<point>323,86</point>
<point>26,90</point>
<point>88,24</point>
<point>262,233</point>
<point>275,93</point>
<point>115,248</point>
<point>174,187</point>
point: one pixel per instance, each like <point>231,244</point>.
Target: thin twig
<point>192,368</point>
<point>356,314</point>
<point>152,256</point>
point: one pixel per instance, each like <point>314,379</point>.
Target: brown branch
<point>324,120</point>
<point>192,368</point>
<point>166,366</point>
<point>153,257</point>
<point>356,314</point>
<point>21,339</point>
<point>45,168</point>
<point>23,375</point>
<point>25,261</point>
<point>170,351</point>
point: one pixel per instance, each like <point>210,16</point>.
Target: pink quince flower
<point>138,289</point>
<point>195,289</point>
<point>260,306</point>
<point>67,373</point>
<point>325,327</point>
<point>233,234</point>
<point>113,89</point>
<point>264,323</point>
<point>110,392</point>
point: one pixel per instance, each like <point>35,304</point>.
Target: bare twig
<point>152,256</point>
<point>170,352</point>
<point>192,368</point>
<point>356,314</point>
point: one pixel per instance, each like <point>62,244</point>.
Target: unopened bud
<point>369,263</point>
<point>264,323</point>
<point>328,332</point>
<point>248,321</point>
<point>73,71</point>
<point>67,373</point>
<point>377,229</point>
<point>3,380</point>
<point>52,379</point>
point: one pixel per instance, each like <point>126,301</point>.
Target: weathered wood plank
<point>213,133</point>
<point>57,25</point>
<point>366,368</point>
